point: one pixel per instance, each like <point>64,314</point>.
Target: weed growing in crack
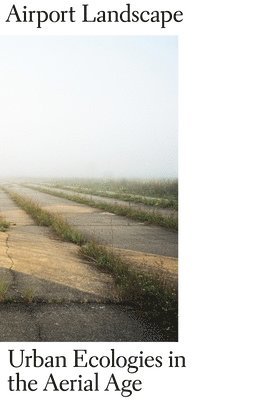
<point>4,286</point>
<point>28,295</point>
<point>4,225</point>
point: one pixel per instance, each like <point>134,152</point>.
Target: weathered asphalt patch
<point>72,322</point>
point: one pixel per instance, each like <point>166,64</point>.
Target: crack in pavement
<point>13,274</point>
<point>7,250</point>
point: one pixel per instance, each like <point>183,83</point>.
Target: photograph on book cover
<point>89,189</point>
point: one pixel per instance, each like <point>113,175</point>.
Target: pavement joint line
<point>7,250</point>
<point>14,280</point>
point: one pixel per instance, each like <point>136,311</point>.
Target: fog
<point>88,107</point>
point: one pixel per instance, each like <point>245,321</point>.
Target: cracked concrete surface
<point>7,250</point>
<point>52,295</point>
<point>107,228</point>
<point>167,212</point>
<point>49,269</point>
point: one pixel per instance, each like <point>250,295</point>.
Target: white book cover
<point>127,199</point>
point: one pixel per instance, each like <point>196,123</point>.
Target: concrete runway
<point>166,212</point>
<point>53,295</point>
<point>108,228</point>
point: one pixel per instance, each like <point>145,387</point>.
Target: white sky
<point>88,106</point>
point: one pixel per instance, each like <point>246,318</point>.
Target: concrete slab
<point>107,228</point>
<point>38,267</point>
<point>166,212</point>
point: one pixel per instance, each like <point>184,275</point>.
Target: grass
<point>28,295</point>
<point>4,225</point>
<point>160,188</point>
<point>156,300</point>
<point>4,286</point>
<point>45,218</point>
<point>139,215</point>
<point>128,197</point>
<point>152,295</point>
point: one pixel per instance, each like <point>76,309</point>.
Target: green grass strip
<point>129,212</point>
<point>134,198</point>
<point>45,218</point>
<point>159,188</point>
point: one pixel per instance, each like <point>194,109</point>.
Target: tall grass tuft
<point>4,225</point>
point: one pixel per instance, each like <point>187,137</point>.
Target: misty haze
<point>88,107</point>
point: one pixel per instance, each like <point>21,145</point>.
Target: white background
<point>217,174</point>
